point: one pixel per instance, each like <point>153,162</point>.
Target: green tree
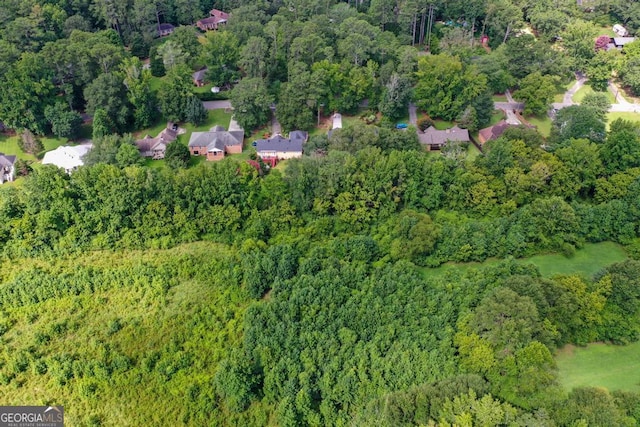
<point>220,53</point>
<point>537,92</point>
<point>507,321</point>
<point>109,93</point>
<point>186,37</point>
<point>577,40</point>
<point>177,155</point>
<point>251,103</point>
<point>576,122</point>
<point>102,124</point>
<point>137,81</point>
<point>65,123</point>
<point>194,111</point>
<point>599,69</point>
<point>128,154</point>
<point>252,57</point>
<point>172,54</point>
<point>105,150</point>
<point>396,96</point>
<point>298,99</point>
<point>445,86</point>
<point>621,149</point>
<point>156,65</point>
<point>175,92</point>
<point>26,88</point>
<point>598,102</point>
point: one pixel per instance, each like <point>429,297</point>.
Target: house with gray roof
<point>278,147</point>
<point>435,139</point>
<point>7,168</point>
<point>199,77</point>
<point>155,148</point>
<point>619,42</point>
<point>216,143</point>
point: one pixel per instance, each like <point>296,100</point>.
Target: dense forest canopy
<point>309,56</point>
<point>230,293</point>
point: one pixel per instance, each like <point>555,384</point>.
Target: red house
<point>217,17</point>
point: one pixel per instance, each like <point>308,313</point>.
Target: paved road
<point>413,114</point>
<point>568,95</point>
<point>217,105</point>
<point>615,90</point>
<point>509,106</point>
<point>275,125</point>
<point>510,99</point>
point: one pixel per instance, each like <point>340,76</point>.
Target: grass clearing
<point>499,97</point>
<point>9,145</point>
<point>586,261</point>
<point>496,116</point>
<point>442,124</point>
<point>632,117</point>
<point>472,152</point>
<point>600,365</point>
<point>606,31</point>
<point>542,123</point>
<point>586,90</point>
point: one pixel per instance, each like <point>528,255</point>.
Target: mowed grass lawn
<point>587,261</point>
<point>600,365</point>
<point>9,145</point>
<point>586,89</point>
<point>542,123</point>
<point>632,117</point>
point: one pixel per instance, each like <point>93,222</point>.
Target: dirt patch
<point>567,350</point>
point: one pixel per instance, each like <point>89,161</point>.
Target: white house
<point>67,157</point>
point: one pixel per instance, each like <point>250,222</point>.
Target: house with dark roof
<point>7,168</point>
<point>279,148</point>
<point>198,77</point>
<point>155,148</point>
<point>165,29</point>
<point>492,132</point>
<point>216,18</point>
<point>216,143</point>
<point>434,139</point>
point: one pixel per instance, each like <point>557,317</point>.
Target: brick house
<point>216,18</point>
<point>216,143</point>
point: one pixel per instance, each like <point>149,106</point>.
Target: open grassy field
<point>586,89</point>
<point>600,365</point>
<point>586,261</point>
<point>139,348</point>
<point>543,124</point>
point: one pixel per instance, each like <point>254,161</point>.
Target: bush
<point>424,123</point>
<point>210,96</point>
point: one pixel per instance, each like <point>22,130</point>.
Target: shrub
<point>424,123</point>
